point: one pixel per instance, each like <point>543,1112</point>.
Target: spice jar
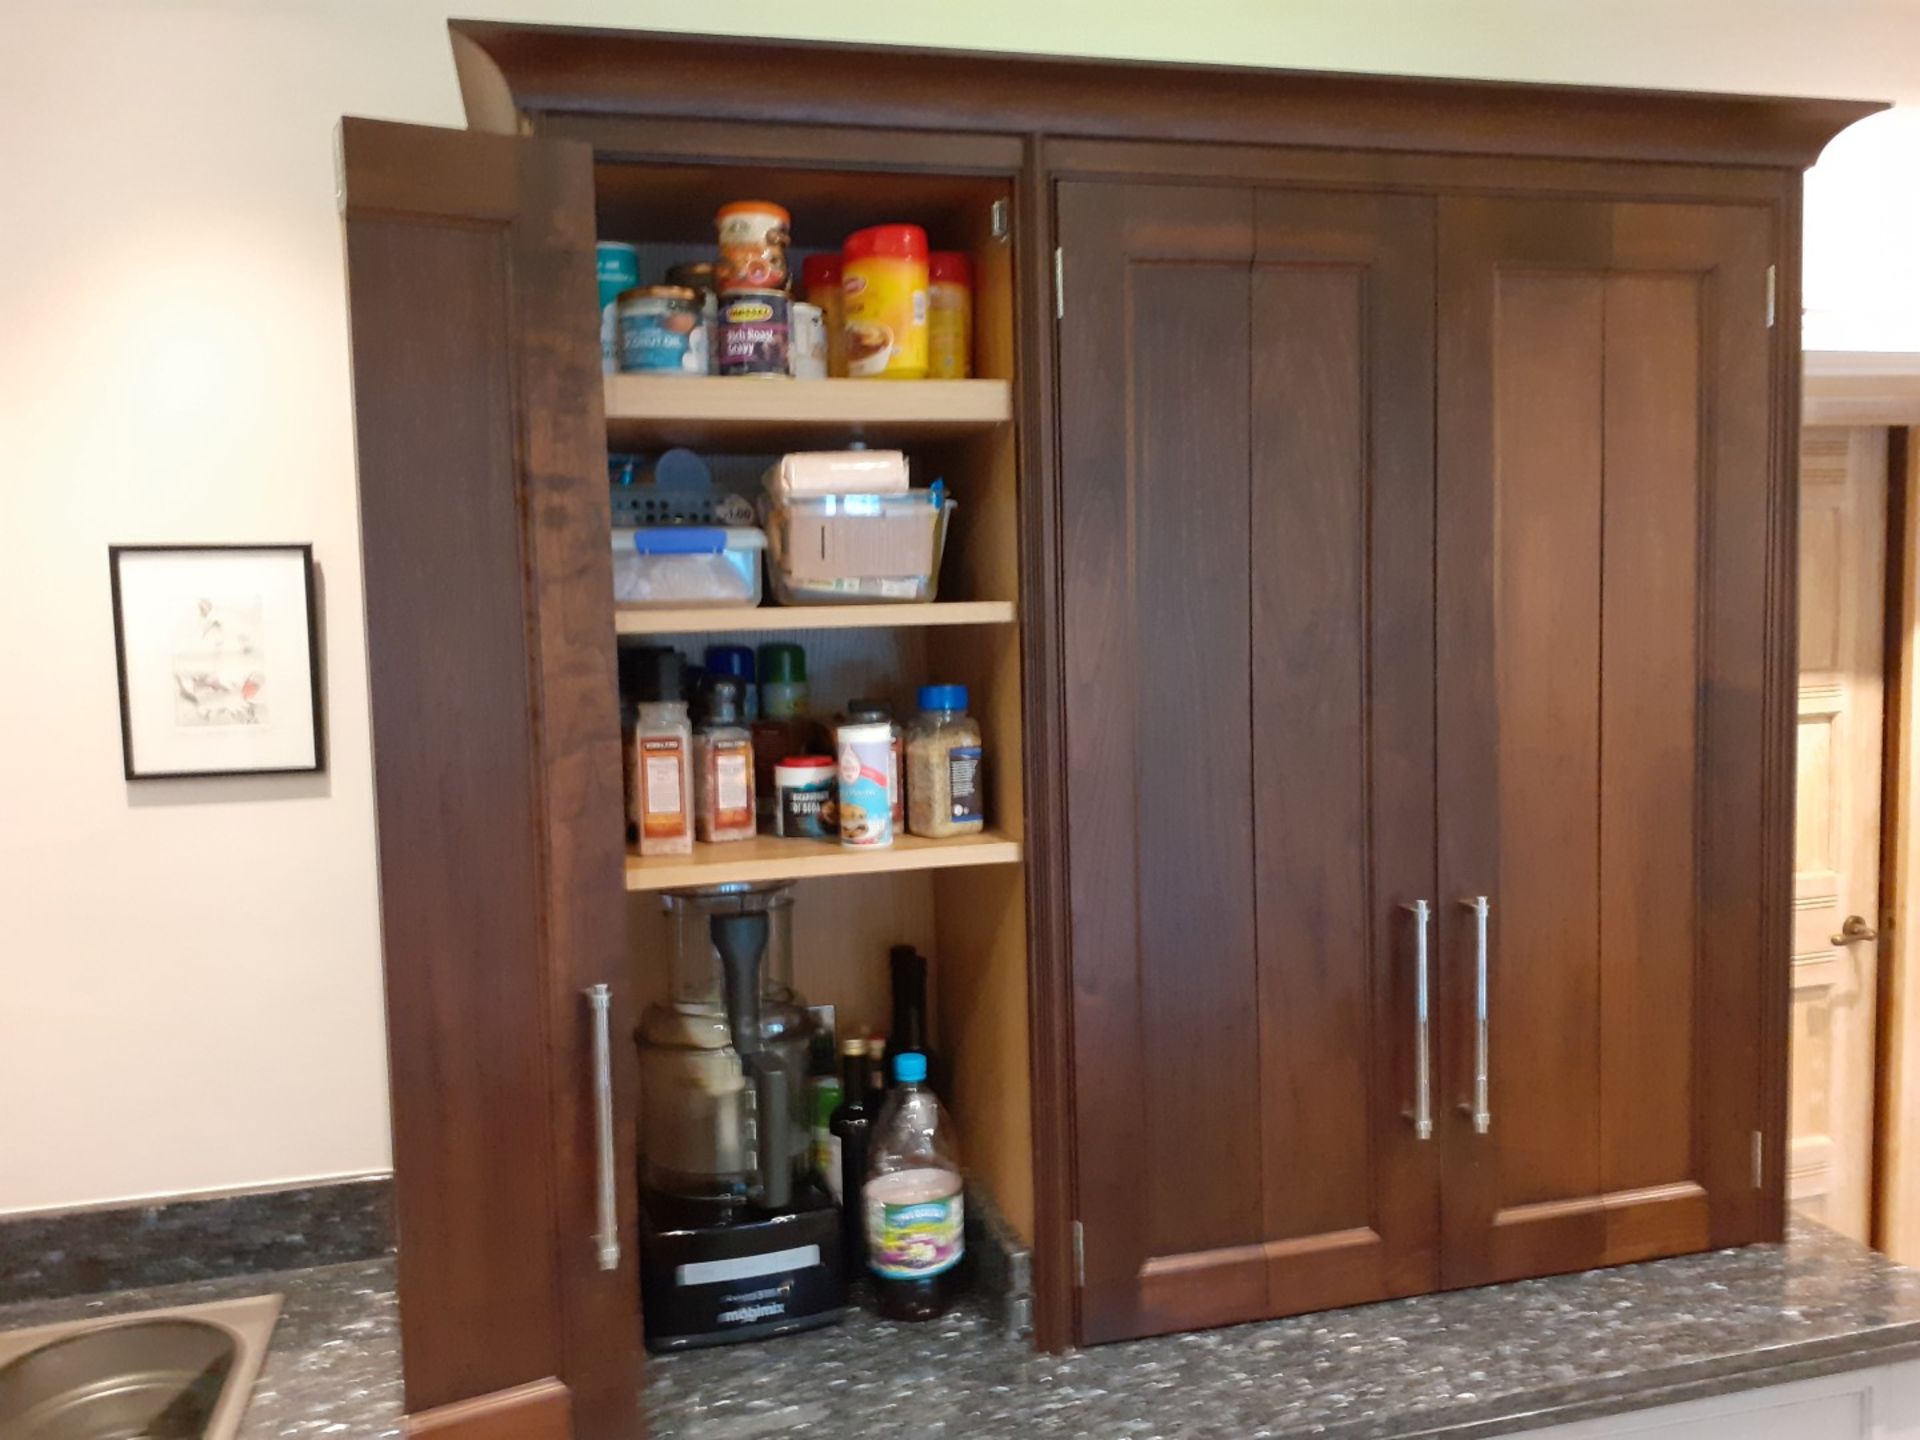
<point>783,680</point>
<point>753,245</point>
<point>782,728</point>
<point>880,712</point>
<point>820,277</point>
<point>944,794</point>
<point>949,315</point>
<point>662,769</point>
<point>723,767</point>
<point>736,663</point>
<point>884,279</point>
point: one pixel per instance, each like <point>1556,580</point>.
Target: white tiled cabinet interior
<point>1877,1404</point>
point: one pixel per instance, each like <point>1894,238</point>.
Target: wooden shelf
<point>775,619</point>
<point>740,413</point>
<point>768,857</point>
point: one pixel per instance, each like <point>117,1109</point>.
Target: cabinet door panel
<point>1603,458</point>
<point>1341,553</point>
<point>484,517</point>
<point>1154,380</point>
<point>1231,431</point>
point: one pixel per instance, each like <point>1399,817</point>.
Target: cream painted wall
<point>189,974</point>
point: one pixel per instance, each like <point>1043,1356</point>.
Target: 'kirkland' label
<point>916,1223</point>
<point>663,803</point>
<point>963,781</point>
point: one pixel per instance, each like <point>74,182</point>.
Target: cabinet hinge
<point>1773,287</point>
<point>1059,283</point>
<point>1079,1255</point>
<point>1759,1159</point>
<point>998,220</point>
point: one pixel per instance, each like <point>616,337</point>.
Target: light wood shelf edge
<point>772,858</point>
<point>713,404</point>
<point>773,619</point>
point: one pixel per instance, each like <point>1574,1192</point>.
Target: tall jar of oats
<point>945,793</point>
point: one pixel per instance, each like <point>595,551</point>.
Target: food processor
<point>738,1240</point>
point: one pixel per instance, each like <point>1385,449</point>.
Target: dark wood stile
<point>1056,1291</point>
<point>482,456</point>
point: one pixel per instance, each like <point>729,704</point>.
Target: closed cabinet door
<point>1602,648</point>
<point>1246,398</point>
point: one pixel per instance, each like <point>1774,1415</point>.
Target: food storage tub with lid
<point>683,565</point>
<point>828,549</point>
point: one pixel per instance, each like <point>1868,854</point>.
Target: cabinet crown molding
<point>510,72</point>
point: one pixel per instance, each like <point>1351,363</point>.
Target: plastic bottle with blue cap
<point>914,1200</point>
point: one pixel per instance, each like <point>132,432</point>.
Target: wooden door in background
<point>1605,419</point>
<point>1246,400</point>
<point>1836,880</point>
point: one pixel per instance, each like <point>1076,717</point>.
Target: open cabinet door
<point>484,522</point>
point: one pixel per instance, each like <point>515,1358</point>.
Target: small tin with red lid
<point>803,803</point>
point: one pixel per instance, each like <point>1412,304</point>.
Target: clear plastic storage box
<point>670,566</point>
<point>828,549</point>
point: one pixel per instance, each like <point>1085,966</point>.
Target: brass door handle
<point>1855,930</point>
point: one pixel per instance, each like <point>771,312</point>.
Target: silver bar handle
<point>1422,1046</point>
<point>1482,1111</point>
<point>607,1242</point>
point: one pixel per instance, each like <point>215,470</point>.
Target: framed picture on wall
<point>219,670</point>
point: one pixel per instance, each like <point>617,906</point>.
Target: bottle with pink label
<point>914,1200</point>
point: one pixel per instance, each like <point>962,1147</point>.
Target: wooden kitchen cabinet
<point>1377,494</point>
<point>1344,656</point>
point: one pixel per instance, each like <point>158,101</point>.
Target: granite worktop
<point>332,1367</point>
<point>1471,1363</point>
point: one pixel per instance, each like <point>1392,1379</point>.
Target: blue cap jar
<point>943,697</point>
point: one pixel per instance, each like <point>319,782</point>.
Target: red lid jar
<point>885,284</point>
<point>904,242</point>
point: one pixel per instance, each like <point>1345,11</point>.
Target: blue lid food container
<point>666,567</point>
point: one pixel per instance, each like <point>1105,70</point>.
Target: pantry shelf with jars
<point>817,541</point>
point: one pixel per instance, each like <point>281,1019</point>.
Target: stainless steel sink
<point>182,1374</point>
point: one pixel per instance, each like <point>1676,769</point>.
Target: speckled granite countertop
<point>333,1366</point>
<point>1472,1363</point>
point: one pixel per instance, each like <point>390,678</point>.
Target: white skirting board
<point>1880,1403</point>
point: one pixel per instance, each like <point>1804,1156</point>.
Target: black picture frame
<point>312,636</point>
